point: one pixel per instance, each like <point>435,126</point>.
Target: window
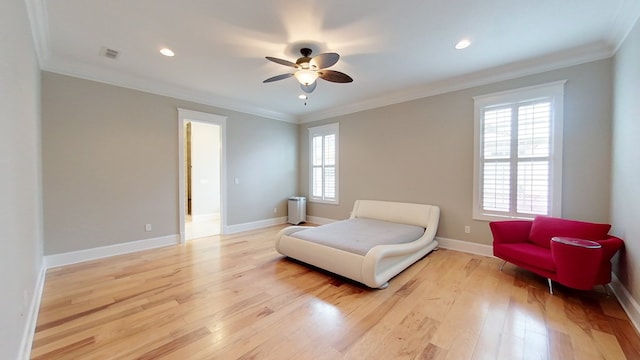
<point>518,153</point>
<point>323,164</point>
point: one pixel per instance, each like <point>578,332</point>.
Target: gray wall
<point>110,164</point>
<point>20,187</point>
<point>422,151</point>
<point>625,192</point>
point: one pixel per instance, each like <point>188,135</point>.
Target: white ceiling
<point>394,50</point>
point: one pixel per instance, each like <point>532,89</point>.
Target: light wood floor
<point>234,297</point>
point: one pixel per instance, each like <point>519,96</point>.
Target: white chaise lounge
<point>378,241</point>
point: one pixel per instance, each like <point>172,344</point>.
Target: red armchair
<point>573,253</point>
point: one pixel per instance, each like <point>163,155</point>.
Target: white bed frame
<point>382,262</point>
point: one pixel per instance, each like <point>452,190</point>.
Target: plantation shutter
<point>516,145</point>
<point>324,163</point>
<point>518,152</point>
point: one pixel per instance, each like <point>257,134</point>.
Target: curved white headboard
<point>405,213</point>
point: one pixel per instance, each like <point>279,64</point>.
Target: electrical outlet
<point>275,210</point>
<point>467,229</point>
<point>147,227</point>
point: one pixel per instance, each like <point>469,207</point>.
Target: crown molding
<point>129,81</point>
<point>554,61</point>
<point>626,17</point>
<point>37,13</point>
<point>515,70</point>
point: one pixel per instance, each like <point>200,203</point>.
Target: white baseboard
<point>32,316</point>
<point>232,229</point>
<point>319,220</point>
<point>465,246</point>
<point>73,257</point>
<point>629,304</point>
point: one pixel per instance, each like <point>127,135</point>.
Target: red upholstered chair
<point>573,253</point>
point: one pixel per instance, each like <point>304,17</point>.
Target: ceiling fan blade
<point>278,77</point>
<point>325,60</point>
<point>282,62</point>
<point>334,76</point>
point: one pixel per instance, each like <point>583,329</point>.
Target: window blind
<point>324,163</point>
<point>518,152</point>
<point>516,148</point>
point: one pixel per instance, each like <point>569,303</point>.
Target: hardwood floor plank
<point>366,323</point>
<point>175,344</point>
<point>61,351</point>
<point>627,337</point>
<point>608,345</point>
<point>490,337</point>
<point>432,352</point>
<point>464,318</point>
<point>560,346</point>
<point>235,297</point>
<point>45,337</point>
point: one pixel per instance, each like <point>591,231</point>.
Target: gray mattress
<point>359,235</point>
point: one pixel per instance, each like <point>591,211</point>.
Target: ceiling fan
<point>308,70</point>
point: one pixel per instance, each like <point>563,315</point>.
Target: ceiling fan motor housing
<point>304,61</point>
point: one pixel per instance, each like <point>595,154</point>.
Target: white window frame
<point>324,130</point>
<point>555,93</point>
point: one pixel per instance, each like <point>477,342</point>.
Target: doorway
<point>202,164</point>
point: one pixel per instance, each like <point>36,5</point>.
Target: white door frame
<point>184,116</point>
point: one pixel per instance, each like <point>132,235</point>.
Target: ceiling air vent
<point>110,53</point>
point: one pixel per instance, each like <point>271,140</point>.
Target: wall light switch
<point>236,181</point>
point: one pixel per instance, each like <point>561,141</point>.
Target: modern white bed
<point>378,241</point>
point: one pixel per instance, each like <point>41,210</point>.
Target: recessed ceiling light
<point>462,44</point>
<point>303,97</point>
<point>166,52</point>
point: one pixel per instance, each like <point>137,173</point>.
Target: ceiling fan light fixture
<point>308,70</point>
<point>305,76</point>
<point>309,88</point>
